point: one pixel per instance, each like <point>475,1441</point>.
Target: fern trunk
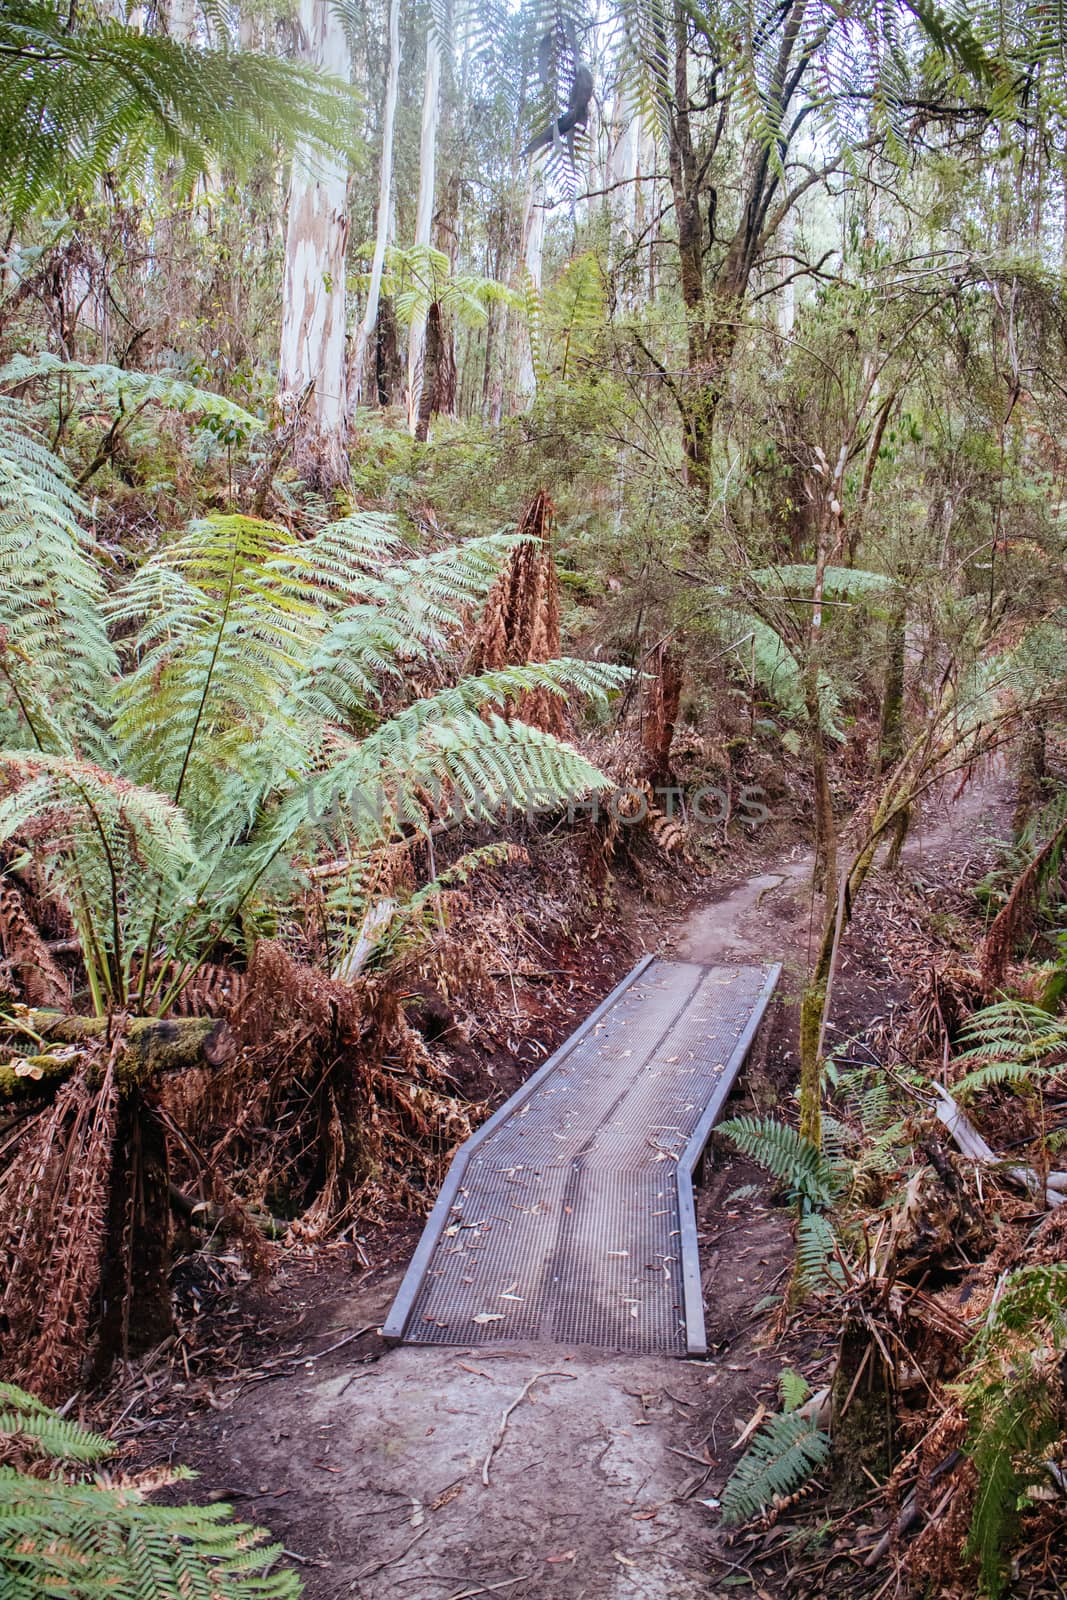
<point>1030,774</point>
<point>861,1413</point>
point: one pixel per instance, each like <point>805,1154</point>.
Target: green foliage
<point>40,1431</point>
<point>94,1539</point>
<point>55,659</point>
<point>839,583</point>
<point>1017,1044</point>
<point>420,275</point>
<point>106,844</point>
<point>247,731</point>
<point>1013,1393</point>
<point>778,671</point>
<point>81,96</point>
<point>817,1263</point>
<point>575,310</point>
<point>782,1458</point>
<point>130,390</point>
<point>794,1389</point>
<point>803,1169</point>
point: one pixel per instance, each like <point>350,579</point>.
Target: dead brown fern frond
<point>333,1101</point>
<point>1012,919</point>
<point>40,981</point>
<point>54,1199</point>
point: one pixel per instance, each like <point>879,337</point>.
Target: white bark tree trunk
<point>431,107</point>
<point>623,168</point>
<point>533,245</point>
<point>787,305</point>
<point>181,20</point>
<point>385,194</point>
<point>311,366</point>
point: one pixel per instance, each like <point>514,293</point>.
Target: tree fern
<point>248,719</point>
<point>81,96</point>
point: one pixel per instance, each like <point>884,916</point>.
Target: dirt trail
<point>368,1463</point>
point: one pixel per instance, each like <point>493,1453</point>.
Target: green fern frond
<point>778,673</point>
<point>82,95</point>
<point>792,1159</point>
<point>1017,1043</point>
<point>109,847</point>
<point>1013,1393</point>
<point>46,1433</point>
<point>793,1388</point>
<point>87,1539</point>
<point>56,665</point>
<point>784,1455</point>
<point>64,1535</point>
<point>128,388</point>
<point>839,583</point>
<point>817,1265</point>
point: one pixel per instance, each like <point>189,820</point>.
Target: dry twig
<point>498,1441</point>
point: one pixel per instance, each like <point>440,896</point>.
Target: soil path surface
<point>393,1473</point>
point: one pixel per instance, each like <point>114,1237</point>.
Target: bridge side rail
<point>696,1338</point>
<point>396,1322</point>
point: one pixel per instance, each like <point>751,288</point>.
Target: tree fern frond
<point>44,1432</point>
<point>128,387</point>
<point>82,95</point>
<point>55,656</point>
<point>846,583</point>
<point>110,848</point>
<point>1013,1394</point>
<point>777,670</point>
<point>1015,1042</point>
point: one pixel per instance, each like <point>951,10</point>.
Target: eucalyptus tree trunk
<point>181,20</point>
<point>312,375</point>
<point>431,110</point>
<point>622,184</point>
<point>385,190</point>
<point>533,245</point>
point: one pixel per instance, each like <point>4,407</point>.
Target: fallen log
<point>970,1142</point>
<point>152,1048</point>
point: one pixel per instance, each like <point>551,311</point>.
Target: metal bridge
<point>568,1216</point>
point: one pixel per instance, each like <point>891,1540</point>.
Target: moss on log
<point>152,1049</point>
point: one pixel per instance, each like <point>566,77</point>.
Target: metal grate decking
<point>569,1214</point>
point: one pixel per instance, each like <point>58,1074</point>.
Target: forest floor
<point>367,1461</point>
